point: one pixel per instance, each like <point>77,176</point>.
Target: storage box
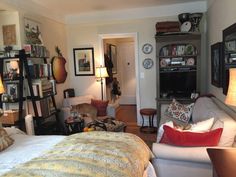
<point>10,117</point>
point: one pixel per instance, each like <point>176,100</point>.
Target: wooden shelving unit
<point>39,121</point>
<point>178,66</point>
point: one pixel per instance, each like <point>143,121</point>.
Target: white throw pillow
<point>202,126</point>
<point>161,130</point>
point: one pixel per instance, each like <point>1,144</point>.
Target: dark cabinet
<point>178,66</point>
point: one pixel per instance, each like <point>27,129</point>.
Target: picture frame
<point>84,61</point>
<point>216,63</point>
<point>13,90</point>
<point>33,33</point>
<point>113,57</point>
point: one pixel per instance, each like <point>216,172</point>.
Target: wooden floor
<point>127,114</point>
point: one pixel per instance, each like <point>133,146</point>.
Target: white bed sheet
<point>28,147</point>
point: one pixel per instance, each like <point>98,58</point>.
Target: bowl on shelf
<point>183,17</point>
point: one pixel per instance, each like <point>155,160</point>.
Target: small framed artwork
<point>84,61</point>
<point>33,33</point>
<point>12,90</point>
<point>113,57</point>
<point>216,63</point>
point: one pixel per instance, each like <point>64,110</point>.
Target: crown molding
<point>105,16</point>
<point>137,13</point>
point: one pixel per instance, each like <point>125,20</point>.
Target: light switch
<point>142,75</point>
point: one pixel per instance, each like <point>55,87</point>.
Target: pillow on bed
<point>13,131</point>
<point>5,140</point>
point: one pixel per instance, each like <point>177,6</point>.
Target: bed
<point>25,155</point>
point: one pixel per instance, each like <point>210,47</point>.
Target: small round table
<point>74,125</point>
<point>150,113</point>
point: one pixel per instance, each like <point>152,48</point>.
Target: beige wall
<point>88,35</point>
<point>220,15</point>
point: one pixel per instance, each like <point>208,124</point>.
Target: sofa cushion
<point>101,106</point>
<point>203,108</point>
<point>68,102</point>
<point>189,154</point>
<point>202,126</point>
<point>181,138</point>
<point>179,112</point>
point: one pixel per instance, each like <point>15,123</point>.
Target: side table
<point>74,125</point>
<point>150,113</point>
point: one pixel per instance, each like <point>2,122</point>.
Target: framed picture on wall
<point>33,33</point>
<point>84,61</point>
<point>113,57</point>
<point>216,63</point>
<point>12,90</point>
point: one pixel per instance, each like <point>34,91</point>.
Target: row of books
<point>36,50</point>
<point>43,87</point>
<point>45,107</point>
<point>40,70</point>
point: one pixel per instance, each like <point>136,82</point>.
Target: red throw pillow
<point>178,138</point>
<point>101,106</point>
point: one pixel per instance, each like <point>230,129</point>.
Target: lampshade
<point>101,72</point>
<point>1,86</point>
<point>231,94</point>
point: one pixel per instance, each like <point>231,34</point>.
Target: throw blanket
<point>100,154</point>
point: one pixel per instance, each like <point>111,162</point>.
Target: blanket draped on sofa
<point>102,154</point>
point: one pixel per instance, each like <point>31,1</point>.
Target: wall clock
<point>147,48</point>
<point>147,63</point>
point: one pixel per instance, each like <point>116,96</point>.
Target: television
<point>177,84</point>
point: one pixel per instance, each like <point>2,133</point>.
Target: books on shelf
<point>40,70</point>
<point>43,87</point>
<point>45,107</point>
<point>36,50</point>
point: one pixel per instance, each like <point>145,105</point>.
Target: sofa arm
<point>65,112</point>
<point>190,154</point>
<point>111,109</point>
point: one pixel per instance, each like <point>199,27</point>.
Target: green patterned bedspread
<point>100,154</point>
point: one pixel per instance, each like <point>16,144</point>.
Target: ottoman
<point>108,124</point>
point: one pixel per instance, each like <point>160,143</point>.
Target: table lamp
<point>231,94</point>
<point>1,92</point>
<point>100,73</point>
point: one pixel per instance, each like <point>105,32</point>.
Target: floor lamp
<point>231,94</point>
<point>101,72</point>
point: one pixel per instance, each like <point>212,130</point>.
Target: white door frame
<point>124,35</point>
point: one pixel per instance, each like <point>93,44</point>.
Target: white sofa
<point>68,102</point>
<point>194,161</point>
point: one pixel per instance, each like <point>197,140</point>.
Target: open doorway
<point>119,58</point>
<point>125,67</point>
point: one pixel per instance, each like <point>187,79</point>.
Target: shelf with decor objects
<point>42,89</point>
<point>12,78</point>
<point>178,67</point>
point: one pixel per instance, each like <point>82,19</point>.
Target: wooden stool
<point>150,113</point>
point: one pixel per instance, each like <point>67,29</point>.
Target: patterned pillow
<point>179,112</point>
<point>5,140</point>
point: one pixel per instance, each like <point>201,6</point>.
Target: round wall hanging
<point>147,63</point>
<point>147,48</point>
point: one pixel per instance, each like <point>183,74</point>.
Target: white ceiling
<point>70,7</point>
<point>90,11</point>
